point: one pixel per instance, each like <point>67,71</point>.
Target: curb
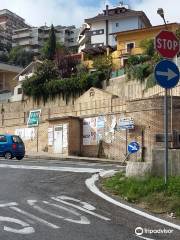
<point>71,158</point>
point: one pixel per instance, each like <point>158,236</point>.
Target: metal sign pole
<point>166,136</point>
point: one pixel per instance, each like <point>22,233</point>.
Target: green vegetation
<point>19,56</point>
<point>149,192</point>
<point>47,82</point>
<point>141,67</point>
<point>49,49</point>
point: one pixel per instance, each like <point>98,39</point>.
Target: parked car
<point>11,146</point>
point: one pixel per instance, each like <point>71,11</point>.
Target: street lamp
<point>160,11</point>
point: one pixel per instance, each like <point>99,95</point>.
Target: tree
<point>141,67</point>
<point>19,56</point>
<point>49,49</point>
<point>4,57</point>
<point>46,83</point>
<point>103,64</point>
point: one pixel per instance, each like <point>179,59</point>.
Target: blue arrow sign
<point>133,147</point>
<point>167,74</point>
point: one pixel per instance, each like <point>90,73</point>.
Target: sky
<point>73,12</point>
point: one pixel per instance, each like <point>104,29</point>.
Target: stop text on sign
<point>167,44</point>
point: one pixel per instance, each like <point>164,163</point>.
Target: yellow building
<point>128,42</point>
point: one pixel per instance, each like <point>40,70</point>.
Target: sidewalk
<point>61,157</point>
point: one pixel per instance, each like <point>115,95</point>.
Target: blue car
<point>11,146</point>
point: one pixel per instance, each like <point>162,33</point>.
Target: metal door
<point>58,139</point>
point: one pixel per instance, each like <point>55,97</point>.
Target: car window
<point>16,139</point>
<point>3,138</point>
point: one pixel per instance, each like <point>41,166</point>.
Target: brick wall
<point>147,115</point>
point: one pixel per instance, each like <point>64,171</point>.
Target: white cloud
<point>58,12</point>
<point>71,12</point>
<point>171,9</point>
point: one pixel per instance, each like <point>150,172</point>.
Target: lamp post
<point>160,11</point>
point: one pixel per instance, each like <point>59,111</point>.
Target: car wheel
<point>19,158</point>
<point>8,155</point>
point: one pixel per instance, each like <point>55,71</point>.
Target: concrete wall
<point>131,90</point>
<point>173,164</point>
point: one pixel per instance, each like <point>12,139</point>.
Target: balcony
<point>22,35</point>
<point>130,51</point>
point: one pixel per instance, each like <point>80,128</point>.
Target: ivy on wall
<point>141,67</point>
<point>47,84</point>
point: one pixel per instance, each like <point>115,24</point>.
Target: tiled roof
<point>122,14</point>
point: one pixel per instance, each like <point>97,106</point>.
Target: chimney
<point>107,8</point>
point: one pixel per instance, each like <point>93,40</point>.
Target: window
<point>130,46</point>
<point>3,138</point>
<point>19,91</point>
<point>16,139</point>
<point>117,24</point>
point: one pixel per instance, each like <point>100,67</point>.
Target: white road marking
<point>25,230</point>
<point>90,183</point>
<point>83,220</point>
<point>60,199</point>
<point>51,168</point>
<point>2,205</point>
<point>34,217</point>
<point>146,238</point>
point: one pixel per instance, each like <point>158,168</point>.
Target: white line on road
<point>60,199</point>
<point>50,168</point>
<point>25,230</point>
<point>34,217</point>
<point>90,183</point>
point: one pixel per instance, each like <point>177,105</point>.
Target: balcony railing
<point>22,35</point>
<point>130,51</point>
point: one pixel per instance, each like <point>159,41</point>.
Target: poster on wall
<point>25,133</point>
<point>86,131</point>
<point>93,131</point>
<point>100,127</point>
<point>65,138</point>
<point>50,136</point>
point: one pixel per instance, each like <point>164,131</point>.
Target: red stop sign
<point>167,44</point>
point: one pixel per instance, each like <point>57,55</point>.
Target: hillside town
<point>105,92</point>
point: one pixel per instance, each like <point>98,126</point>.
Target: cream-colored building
<point>7,81</point>
<point>23,75</point>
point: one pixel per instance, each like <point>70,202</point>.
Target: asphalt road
<point>50,201</point>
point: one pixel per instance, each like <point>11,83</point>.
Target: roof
<point>122,14</point>
<point>146,29</point>
<point>10,68</point>
<point>61,118</point>
<point>93,89</point>
<point>28,67</point>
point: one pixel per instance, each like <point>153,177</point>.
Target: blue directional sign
<point>167,74</point>
<point>133,147</point>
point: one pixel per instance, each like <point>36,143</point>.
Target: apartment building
<point>113,19</point>
<point>32,39</point>
<point>9,21</point>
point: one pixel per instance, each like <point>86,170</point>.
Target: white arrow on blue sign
<point>133,147</point>
<point>167,74</point>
